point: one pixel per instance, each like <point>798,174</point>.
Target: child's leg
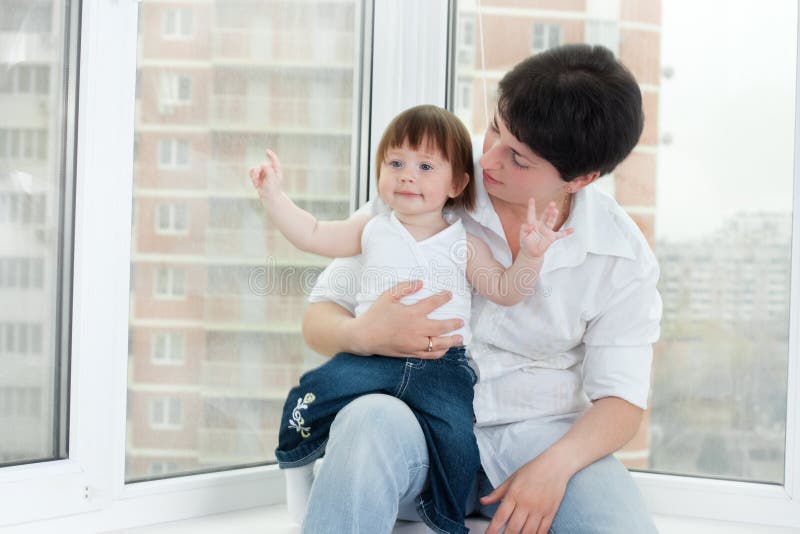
<point>298,487</point>
<point>311,408</point>
<point>440,393</point>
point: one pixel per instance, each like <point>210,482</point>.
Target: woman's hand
<point>530,497</point>
<point>267,177</point>
<point>536,235</point>
<point>391,328</point>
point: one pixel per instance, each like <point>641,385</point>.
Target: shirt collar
<point>594,215</point>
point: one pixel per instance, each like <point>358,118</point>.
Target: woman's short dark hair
<point>442,131</point>
<point>575,106</point>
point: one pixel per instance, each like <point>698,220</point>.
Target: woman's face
<point>513,173</point>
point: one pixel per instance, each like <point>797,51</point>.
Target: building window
<point>176,89</point>
<point>21,208</point>
<point>20,338</point>
<point>168,348</point>
<point>23,144</point>
<point>545,36</point>
<point>24,79</point>
<point>173,153</point>
<point>170,282</point>
<point>178,23</point>
<point>20,402</point>
<point>21,273</point>
<point>605,33</point>
<point>466,41</point>
<point>172,218</point>
<point>163,468</point>
<point>299,106</point>
<point>166,412</point>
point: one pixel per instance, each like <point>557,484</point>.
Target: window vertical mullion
<point>102,244</point>
<point>409,69</point>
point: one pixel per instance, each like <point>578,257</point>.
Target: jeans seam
<point>422,512</point>
<point>415,468</point>
<point>401,389</point>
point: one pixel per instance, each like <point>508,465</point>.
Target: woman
<point>563,376</point>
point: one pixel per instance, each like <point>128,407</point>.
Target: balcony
<point>300,181</point>
<point>320,114</point>
<point>286,48</point>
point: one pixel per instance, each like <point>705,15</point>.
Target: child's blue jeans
<point>438,391</point>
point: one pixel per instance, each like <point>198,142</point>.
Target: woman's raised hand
<point>536,235</point>
<point>267,177</point>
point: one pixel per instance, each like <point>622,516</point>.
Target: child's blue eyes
<point>399,165</point>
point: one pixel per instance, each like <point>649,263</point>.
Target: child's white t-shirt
<point>390,255</point>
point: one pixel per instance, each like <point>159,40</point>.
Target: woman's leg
<point>375,460</point>
<point>601,498</point>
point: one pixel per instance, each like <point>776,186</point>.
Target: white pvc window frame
<point>87,492</point>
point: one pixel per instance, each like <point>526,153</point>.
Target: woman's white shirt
<point>585,333</point>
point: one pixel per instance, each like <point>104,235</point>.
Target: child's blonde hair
<point>440,130</point>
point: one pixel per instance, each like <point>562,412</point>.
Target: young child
<point>424,166</point>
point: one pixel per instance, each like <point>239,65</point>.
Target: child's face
<point>416,181</point>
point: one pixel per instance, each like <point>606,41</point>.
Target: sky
<point>729,109</point>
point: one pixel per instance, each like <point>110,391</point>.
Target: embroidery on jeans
<point>297,420</point>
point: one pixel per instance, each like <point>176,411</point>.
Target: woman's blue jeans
<point>372,475</point>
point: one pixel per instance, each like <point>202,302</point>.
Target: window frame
<point>88,492</point>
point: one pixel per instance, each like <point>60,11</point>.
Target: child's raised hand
<point>267,177</point>
<point>537,235</point>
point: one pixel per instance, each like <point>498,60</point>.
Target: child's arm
<point>509,286</point>
<point>334,239</point>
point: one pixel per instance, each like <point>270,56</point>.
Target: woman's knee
<point>603,497</point>
<point>379,424</point>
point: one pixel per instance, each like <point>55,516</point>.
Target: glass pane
<point>35,257</point>
<point>710,185</point>
<point>244,75</point>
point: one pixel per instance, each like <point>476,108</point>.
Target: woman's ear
<point>580,182</point>
<point>457,188</point>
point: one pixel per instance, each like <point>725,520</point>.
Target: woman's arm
<point>535,491</point>
<point>388,327</point>
<point>333,239</point>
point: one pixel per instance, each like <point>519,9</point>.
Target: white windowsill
<point>255,521</point>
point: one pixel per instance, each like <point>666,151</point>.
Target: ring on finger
<point>430,344</point>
